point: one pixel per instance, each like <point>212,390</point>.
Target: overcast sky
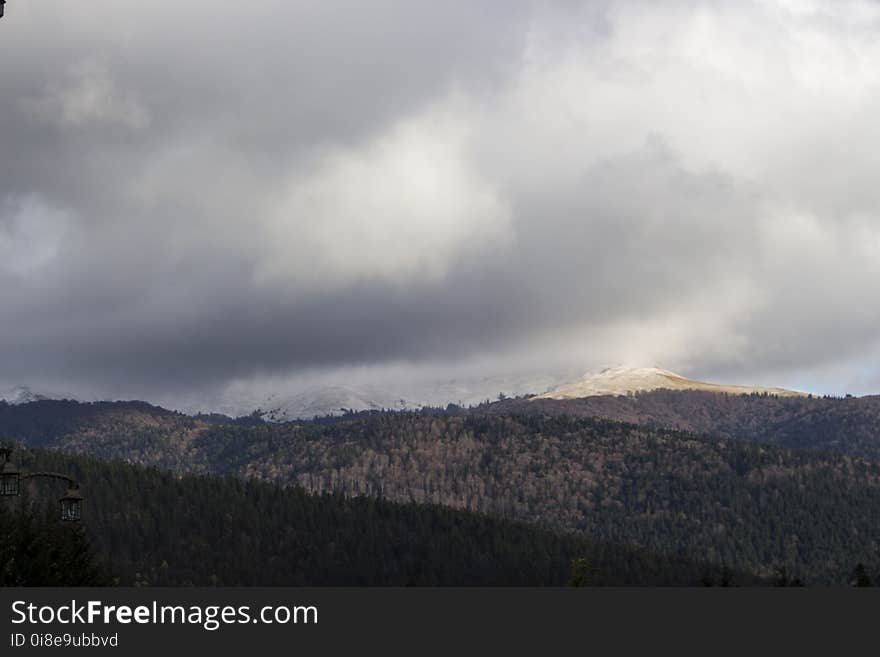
<point>197,194</point>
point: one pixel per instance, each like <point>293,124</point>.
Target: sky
<point>197,198</point>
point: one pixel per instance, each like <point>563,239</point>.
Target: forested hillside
<point>745,505</point>
<point>131,431</point>
<point>731,502</point>
<point>151,527</point>
<point>850,425</point>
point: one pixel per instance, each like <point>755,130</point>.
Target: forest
<point>850,425</point>
<point>148,527</point>
<point>740,504</point>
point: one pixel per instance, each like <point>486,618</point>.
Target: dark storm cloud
<point>189,197</point>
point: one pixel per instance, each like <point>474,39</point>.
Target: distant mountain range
<point>288,402</point>
<point>329,399</point>
<point>324,400</point>
<point>761,480</point>
<point>758,482</point>
<point>336,399</point>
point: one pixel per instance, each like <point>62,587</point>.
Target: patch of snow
<point>619,381</point>
<point>24,395</point>
<point>296,402</point>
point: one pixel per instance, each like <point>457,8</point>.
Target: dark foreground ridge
<point>152,527</point>
<point>733,501</point>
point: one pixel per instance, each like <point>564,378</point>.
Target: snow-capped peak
<point>24,395</point>
<point>620,381</point>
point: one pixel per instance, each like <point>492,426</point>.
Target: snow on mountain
<point>24,395</point>
<point>286,401</point>
<point>297,401</point>
<point>330,400</point>
<point>624,381</point>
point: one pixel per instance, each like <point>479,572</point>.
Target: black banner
<point>412,621</point>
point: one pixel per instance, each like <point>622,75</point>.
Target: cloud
<point>30,236</point>
<point>88,95</point>
<point>193,197</point>
<point>404,207</point>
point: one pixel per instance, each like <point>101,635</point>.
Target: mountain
<point>284,402</point>
<point>330,400</point>
<point>24,395</point>
<point>209,531</point>
<point>849,425</point>
<point>735,503</point>
<point>281,401</point>
<point>627,381</point>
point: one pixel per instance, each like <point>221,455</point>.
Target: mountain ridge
<point>622,381</point>
<point>664,490</point>
<point>24,394</point>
